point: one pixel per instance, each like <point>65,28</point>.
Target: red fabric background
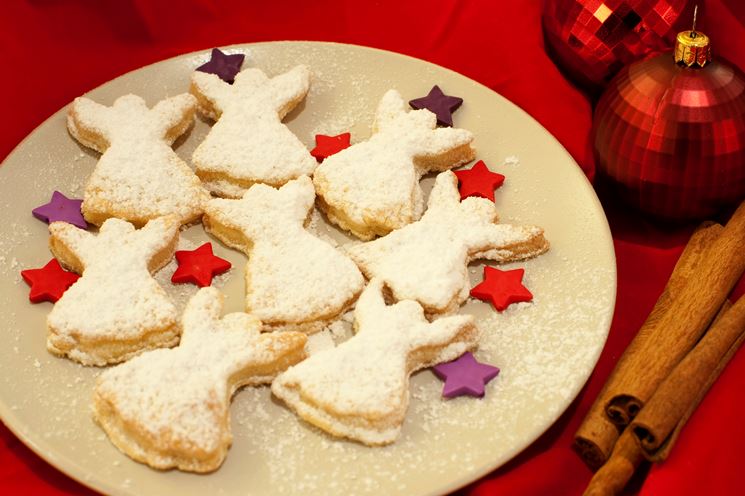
<point>54,50</point>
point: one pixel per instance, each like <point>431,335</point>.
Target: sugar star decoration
<point>478,181</point>
<point>502,288</point>
<point>61,208</point>
<point>223,65</point>
<point>438,103</point>
<point>465,376</point>
<point>49,282</point>
<point>329,145</point>
<point>199,266</point>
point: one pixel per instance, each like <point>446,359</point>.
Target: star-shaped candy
<point>61,208</point>
<point>199,266</point>
<point>465,376</point>
<point>438,103</point>
<point>478,181</point>
<point>502,287</point>
<point>49,282</point>
<point>329,145</point>
<point>223,65</point>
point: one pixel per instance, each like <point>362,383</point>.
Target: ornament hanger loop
<point>693,28</point>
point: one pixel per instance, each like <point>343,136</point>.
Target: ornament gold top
<point>692,48</point>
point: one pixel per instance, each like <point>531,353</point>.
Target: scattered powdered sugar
<point>320,229</point>
<point>511,160</point>
<point>538,346</point>
<point>330,85</point>
<point>340,329</point>
<point>542,347</point>
<point>348,317</point>
<point>319,341</point>
<point>13,237</point>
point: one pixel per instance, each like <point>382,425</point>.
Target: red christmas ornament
<point>669,132</point>
<point>591,40</point>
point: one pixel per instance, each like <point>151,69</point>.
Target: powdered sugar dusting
<point>116,303</point>
<point>138,177</point>
<point>15,235</point>
<point>170,406</point>
<point>511,160</point>
<point>248,143</point>
<point>360,388</point>
<point>426,260</point>
<point>372,187</point>
<point>293,278</point>
<point>329,87</point>
<point>319,341</point>
<point>535,344</point>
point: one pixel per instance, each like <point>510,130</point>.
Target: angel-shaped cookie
<point>372,188</point>
<point>249,144</point>
<point>293,279</point>
<point>360,389</point>
<point>170,408</point>
<point>138,177</point>
<point>116,309</point>
<point>427,261</point>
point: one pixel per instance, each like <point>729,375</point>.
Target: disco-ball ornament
<point>591,40</point>
<point>669,132</point>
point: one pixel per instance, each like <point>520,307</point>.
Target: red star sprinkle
<point>199,266</point>
<point>49,282</point>
<point>478,181</point>
<point>329,145</point>
<point>502,288</point>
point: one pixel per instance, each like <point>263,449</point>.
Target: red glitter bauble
<point>591,40</point>
<point>672,138</point>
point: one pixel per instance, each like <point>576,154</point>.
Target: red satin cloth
<point>54,50</point>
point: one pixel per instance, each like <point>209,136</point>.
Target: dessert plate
<point>546,349</point>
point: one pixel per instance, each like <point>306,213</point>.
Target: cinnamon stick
<point>627,454</point>
<point>658,424</point>
<point>649,361</point>
<point>595,438</point>
<point>613,476</point>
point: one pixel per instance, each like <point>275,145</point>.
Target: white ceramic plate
<point>546,349</point>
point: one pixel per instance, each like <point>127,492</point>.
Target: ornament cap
<point>692,48</point>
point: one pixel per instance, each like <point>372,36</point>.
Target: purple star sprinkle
<point>62,209</point>
<point>223,65</point>
<point>465,376</point>
<point>438,103</point>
